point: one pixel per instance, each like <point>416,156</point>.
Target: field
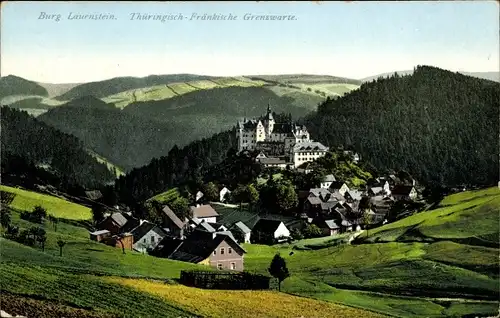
<point>227,304</point>
<point>442,278</point>
<point>161,92</point>
<point>467,217</point>
<point>27,200</point>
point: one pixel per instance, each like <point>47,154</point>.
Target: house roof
<point>195,250</point>
<point>329,178</point>
<point>216,225</point>
<point>402,190</point>
<point>314,200</point>
<point>94,194</point>
<point>266,225</point>
<point>171,215</point>
<point>354,194</point>
<point>144,229</point>
<point>319,191</point>
<point>204,211</point>
<point>337,185</point>
<point>309,146</point>
<point>331,224</point>
<point>376,190</point>
<point>118,218</point>
<point>335,195</point>
<point>99,232</point>
<point>272,161</point>
<point>242,227</point>
<point>326,206</point>
<point>206,227</point>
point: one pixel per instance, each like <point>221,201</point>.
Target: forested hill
<point>181,165</point>
<point>438,125</point>
<point>44,146</point>
<point>14,85</point>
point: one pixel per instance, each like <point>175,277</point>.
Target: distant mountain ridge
<point>435,124</point>
<point>492,76</point>
<point>119,84</point>
<point>15,85</point>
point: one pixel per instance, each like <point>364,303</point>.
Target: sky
<point>349,39</point>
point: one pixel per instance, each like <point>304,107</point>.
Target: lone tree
<point>39,214</point>
<point>5,218</point>
<point>97,213</point>
<point>278,269</point>
<point>61,244</point>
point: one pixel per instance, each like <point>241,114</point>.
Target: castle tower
<point>269,121</point>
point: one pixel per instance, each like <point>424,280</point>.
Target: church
<point>280,144</point>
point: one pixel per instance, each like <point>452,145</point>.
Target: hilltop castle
<point>280,144</point>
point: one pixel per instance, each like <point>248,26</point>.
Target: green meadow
<point>58,207</point>
<point>411,278</point>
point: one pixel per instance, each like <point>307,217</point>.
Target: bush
<point>296,234</point>
<point>312,231</point>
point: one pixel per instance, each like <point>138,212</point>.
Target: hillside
<point>428,124</point>
<point>401,279</point>
<point>95,280</point>
<point>48,148</point>
<point>144,130</point>
<point>120,84</point>
<point>14,85</point>
<point>492,76</point>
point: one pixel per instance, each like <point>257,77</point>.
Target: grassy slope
<point>377,270</point>
<point>71,281</point>
<point>27,200</point>
<point>434,269</point>
<point>160,92</point>
<point>463,217</point>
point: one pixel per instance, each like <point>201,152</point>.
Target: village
<point>330,209</point>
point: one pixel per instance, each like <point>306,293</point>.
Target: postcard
<point>249,159</point>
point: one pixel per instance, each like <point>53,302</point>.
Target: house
<point>374,191</point>
<point>327,181</point>
<point>220,251</point>
<point>312,206</point>
<point>338,186</point>
<point>218,227</point>
<point>205,226</point>
<point>404,192</point>
<point>172,225</point>
<point>269,231</point>
<point>353,195</point>
<point>205,212</point>
<point>319,192</point>
<point>223,193</point>
<point>114,223</point>
<point>123,240</point>
<point>147,236</point>
<point>306,151</point>
<point>242,231</point>
<point>272,162</point>
<point>328,227</point>
<point>98,236</point>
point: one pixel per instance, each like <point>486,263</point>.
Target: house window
<point>233,265</point>
<point>152,239</point>
<point>229,250</point>
<point>219,266</point>
<point>221,251</point>
<point>215,252</point>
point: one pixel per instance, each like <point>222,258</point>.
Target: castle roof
<point>309,146</point>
